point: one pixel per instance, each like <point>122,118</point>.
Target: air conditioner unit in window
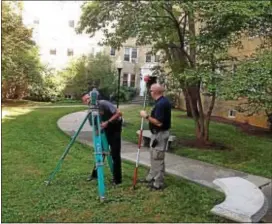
<point>134,60</point>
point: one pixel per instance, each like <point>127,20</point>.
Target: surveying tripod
<point>101,146</point>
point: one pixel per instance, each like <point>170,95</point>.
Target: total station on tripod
<point>94,94</point>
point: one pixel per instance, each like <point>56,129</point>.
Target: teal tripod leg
<point>66,151</point>
<point>106,153</point>
<point>106,150</point>
<point>98,155</point>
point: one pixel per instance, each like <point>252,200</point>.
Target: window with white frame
<point>127,54</point>
<point>157,58</point>
<point>112,51</point>
<point>71,23</point>
<point>93,51</point>
<point>53,51</point>
<point>134,55</point>
<point>130,54</point>
<point>232,113</point>
<point>36,21</point>
<point>125,79</point>
<point>70,52</point>
<point>132,80</point>
<point>148,57</point>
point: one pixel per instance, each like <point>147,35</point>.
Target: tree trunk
<point>193,91</point>
<point>188,108</point>
<point>208,118</point>
<point>206,130</point>
<point>201,121</point>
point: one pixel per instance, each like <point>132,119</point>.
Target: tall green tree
<point>252,81</point>
<point>21,66</point>
<point>194,36</point>
<point>86,71</point>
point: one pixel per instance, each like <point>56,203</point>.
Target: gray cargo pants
<point>157,156</point>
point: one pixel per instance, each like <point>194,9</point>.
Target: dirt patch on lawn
<point>244,127</point>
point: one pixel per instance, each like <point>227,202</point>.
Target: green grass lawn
<point>31,147</point>
<point>248,153</point>
<point>29,103</point>
<point>24,103</point>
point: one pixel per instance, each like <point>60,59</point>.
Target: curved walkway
<point>190,169</point>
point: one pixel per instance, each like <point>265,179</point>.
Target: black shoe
<point>115,182</point>
<point>145,181</point>
<point>152,187</point>
<point>90,178</point>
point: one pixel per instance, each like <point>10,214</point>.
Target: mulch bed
<point>194,143</point>
<point>247,128</point>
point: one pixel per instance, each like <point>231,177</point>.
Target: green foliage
<point>252,80</point>
<point>126,94</point>
<point>193,36</point>
<point>86,71</point>
<point>21,67</point>
<point>49,89</point>
<point>165,25</point>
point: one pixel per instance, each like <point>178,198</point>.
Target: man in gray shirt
<point>111,123</point>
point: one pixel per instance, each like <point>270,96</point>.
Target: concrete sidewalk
<point>194,170</point>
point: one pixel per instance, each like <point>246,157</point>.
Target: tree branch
<point>209,112</point>
<point>184,24</point>
<point>183,17</point>
<point>168,17</point>
<point>181,37</point>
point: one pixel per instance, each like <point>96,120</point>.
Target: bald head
<point>157,87</point>
<point>156,90</point>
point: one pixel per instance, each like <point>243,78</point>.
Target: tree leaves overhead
<point>81,74</point>
<point>124,19</point>
<point>253,80</point>
<point>194,36</point>
<point>20,58</point>
<point>164,24</point>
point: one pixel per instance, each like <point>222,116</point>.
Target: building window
<point>70,52</point>
<point>112,51</point>
<point>53,51</point>
<point>232,113</point>
<point>71,23</point>
<point>125,79</point>
<point>93,51</point>
<point>157,58</point>
<point>134,54</point>
<point>132,80</point>
<point>127,54</point>
<point>36,21</point>
<point>131,55</point>
<point>148,57</point>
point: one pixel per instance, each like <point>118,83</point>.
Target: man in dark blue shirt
<point>159,125</point>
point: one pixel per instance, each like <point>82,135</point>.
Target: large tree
<point>194,36</point>
<point>20,57</point>
<point>84,72</point>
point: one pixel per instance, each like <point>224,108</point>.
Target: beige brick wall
<point>249,47</point>
<point>129,67</point>
<point>222,108</point>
